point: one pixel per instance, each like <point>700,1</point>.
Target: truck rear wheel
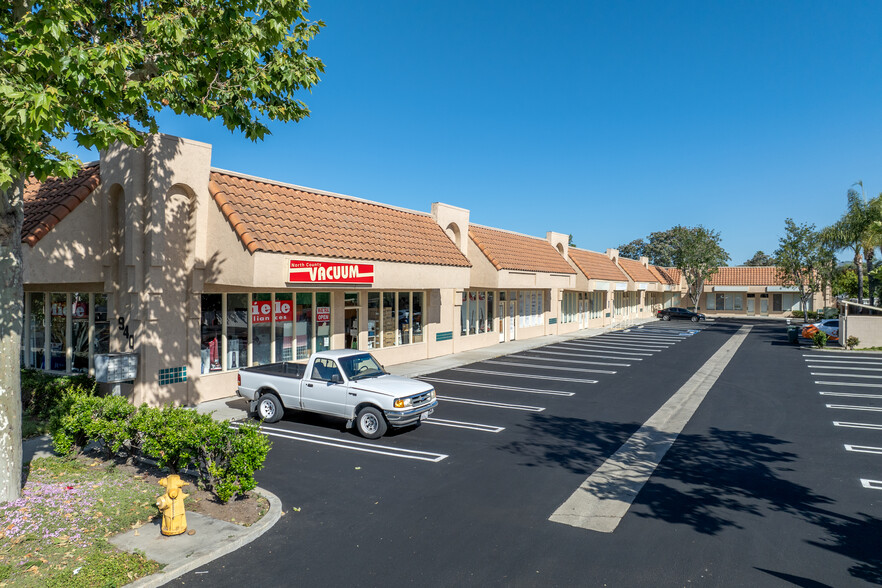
<point>370,423</point>
<point>269,408</point>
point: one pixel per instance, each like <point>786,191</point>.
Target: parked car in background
<point>667,314</point>
<point>829,326</point>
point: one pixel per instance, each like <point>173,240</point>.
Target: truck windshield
<point>361,366</point>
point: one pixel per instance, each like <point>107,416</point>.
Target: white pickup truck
<point>343,383</point>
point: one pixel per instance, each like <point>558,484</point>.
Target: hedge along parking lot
<point>57,533</point>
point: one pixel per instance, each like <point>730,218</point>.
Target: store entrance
<point>350,328</point>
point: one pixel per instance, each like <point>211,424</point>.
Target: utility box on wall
<point>114,368</point>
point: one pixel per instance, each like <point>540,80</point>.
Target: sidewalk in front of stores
<point>233,407</point>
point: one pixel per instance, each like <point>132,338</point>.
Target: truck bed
<point>285,369</point>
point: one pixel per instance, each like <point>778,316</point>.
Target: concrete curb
<point>265,523</point>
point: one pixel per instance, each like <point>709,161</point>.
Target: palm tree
<point>855,231</point>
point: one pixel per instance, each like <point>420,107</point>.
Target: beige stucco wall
<point>71,252</point>
<point>866,328</point>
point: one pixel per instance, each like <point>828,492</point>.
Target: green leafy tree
<point>800,258</point>
<point>101,70</point>
<point>659,248</point>
<point>570,242</point>
<point>760,259</point>
<point>698,254</point>
<point>845,283</point>
<point>633,250</point>
<point>857,231</point>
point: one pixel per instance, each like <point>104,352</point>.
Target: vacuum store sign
<point>323,272</point>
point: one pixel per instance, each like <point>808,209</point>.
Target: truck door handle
<point>353,394</point>
<point>309,385</point>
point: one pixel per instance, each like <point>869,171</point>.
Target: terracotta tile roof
<point>661,275</point>
<point>287,219</point>
<point>637,271</point>
<point>746,276</point>
<point>597,266</point>
<point>673,273</point>
<point>511,251</point>
<point>46,203</point>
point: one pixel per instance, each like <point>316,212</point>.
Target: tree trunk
<point>11,297</point>
<point>859,266</point>
<point>871,283</point>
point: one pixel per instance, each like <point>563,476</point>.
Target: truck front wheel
<point>269,408</point>
<point>370,423</point>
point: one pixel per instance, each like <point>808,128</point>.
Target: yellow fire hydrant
<point>171,505</point>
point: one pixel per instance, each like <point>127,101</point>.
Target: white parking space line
<point>354,445</point>
<point>850,394</point>
<point>648,334</point>
<point>550,367</point>
<point>852,384</point>
<point>504,405</point>
<point>462,425</point>
<point>604,498</point>
<point>579,361</point>
<point>857,425</point>
<point>871,484</point>
<point>637,339</point>
<point>498,387</point>
<point>598,348</point>
<point>836,367</point>
<point>855,360</point>
<point>532,376</point>
<point>852,407</point>
<point>636,347</point>
<point>863,449</point>
<point>566,354</point>
<point>847,375</point>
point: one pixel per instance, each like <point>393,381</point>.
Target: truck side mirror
<point>336,378</point>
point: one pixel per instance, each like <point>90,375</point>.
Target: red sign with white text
<point>261,313</point>
<point>325,272</point>
<point>323,314</point>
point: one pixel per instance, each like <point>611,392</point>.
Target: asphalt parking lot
<point>765,485</point>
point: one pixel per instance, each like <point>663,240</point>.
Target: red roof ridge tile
<point>276,185</point>
<point>63,195</point>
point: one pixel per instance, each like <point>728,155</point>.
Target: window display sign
<point>323,314</point>
<point>261,312</point>
<point>323,272</point>
<point>284,311</point>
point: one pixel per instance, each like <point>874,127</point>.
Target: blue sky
<point>605,120</point>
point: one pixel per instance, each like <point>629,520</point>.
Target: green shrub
<point>41,392</point>
<point>812,315</point>
<point>820,339</point>
<point>852,342</point>
<point>177,438</point>
<point>230,457</point>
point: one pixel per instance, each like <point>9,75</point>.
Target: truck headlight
<point>402,402</point>
<point>432,395</point>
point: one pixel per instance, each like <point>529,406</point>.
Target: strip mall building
<point>201,271</point>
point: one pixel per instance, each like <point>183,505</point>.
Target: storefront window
<point>284,309</point>
<point>482,312</point>
<point>464,315</point>
<point>80,332</point>
<point>417,321</point>
<point>522,316</point>
<point>322,321</point>
<point>102,325</point>
<point>261,328</point>
<point>303,327</point>
<point>389,330</point>
<point>373,320</point>
<point>404,318</point>
<point>212,324</point>
<point>473,313</point>
<point>350,320</point>
<point>58,333</point>
<point>37,334</point>
<point>490,326</point>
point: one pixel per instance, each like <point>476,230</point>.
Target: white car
<point>829,326</point>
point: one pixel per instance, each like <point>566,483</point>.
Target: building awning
<point>730,288</point>
<point>783,289</point>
